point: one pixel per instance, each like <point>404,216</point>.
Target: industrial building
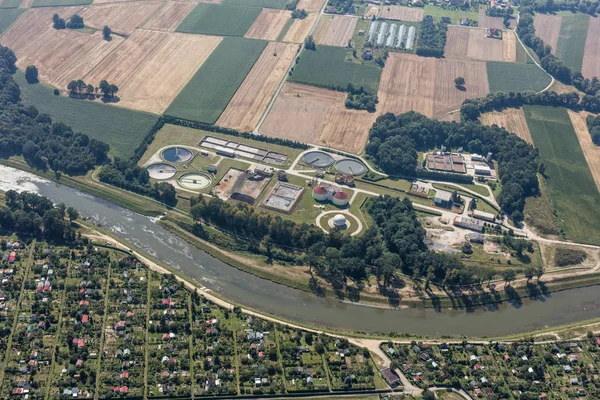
<point>482,170</point>
<point>446,162</point>
<point>469,223</point>
<point>332,194</point>
<point>410,41</point>
<point>486,216</point>
<point>400,38</point>
<point>443,199</point>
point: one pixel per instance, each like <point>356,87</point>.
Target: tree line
<point>42,142</point>
<point>432,38</point>
<point>395,140</point>
<point>593,124</point>
<point>78,88</point>
<point>75,22</point>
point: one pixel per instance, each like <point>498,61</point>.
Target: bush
<point>31,74</point>
<point>564,256</point>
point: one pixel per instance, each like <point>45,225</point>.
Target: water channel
<point>558,308</point>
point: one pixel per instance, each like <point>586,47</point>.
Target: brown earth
<point>268,24</point>
<point>318,116</point>
<point>335,30</point>
<point>591,55</point>
<point>300,29</point>
<point>509,46</point>
<point>512,119</point>
<point>401,13</point>
<point>310,5</point>
<point>371,12</point>
<point>483,21</point>
<point>60,55</point>
<point>170,16</point>
<point>250,101</point>
<point>590,150</point>
<point>547,28</point>
<point>472,43</point>
<point>152,67</point>
<point>122,17</point>
<point>426,85</point>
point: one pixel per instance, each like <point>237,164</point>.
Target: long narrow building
<point>401,34</point>
<point>382,32</point>
<point>390,40</point>
<point>410,41</point>
<point>372,32</point>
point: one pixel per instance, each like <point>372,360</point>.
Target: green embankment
<point>219,19</point>
<point>207,94</point>
<point>570,183</point>
<point>326,67</point>
<point>571,41</point>
<point>514,77</point>
<point>8,16</point>
<point>122,129</point>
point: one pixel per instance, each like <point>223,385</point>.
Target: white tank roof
<point>339,220</point>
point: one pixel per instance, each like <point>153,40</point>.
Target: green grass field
<point>10,4</point>
<point>219,19</point>
<point>571,42</point>
<point>257,3</point>
<point>570,183</point>
<point>207,94</point>
<point>514,77</point>
<point>122,129</point>
<point>8,16</point>
<point>326,67</point>
<point>455,14</point>
<point>55,3</point>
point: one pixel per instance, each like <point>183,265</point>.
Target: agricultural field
<point>300,28</point>
<point>590,150</point>
<point>152,67</point>
<point>547,28</point>
<point>472,43</point>
<point>310,6</point>
<point>335,30</point>
<point>219,19</point>
<point>269,24</point>
<point>591,55</point>
<point>456,15</point>
<point>484,21</point>
<point>122,17</point>
<point>10,4</point>
<point>571,41</point>
<point>251,99</point>
<point>8,16</point>
<point>405,75</point>
<point>571,185</point>
<point>516,77</point>
<point>401,13</point>
<point>511,119</point>
<point>257,3</point>
<point>207,94</point>
<point>327,67</point>
<point>62,3</point>
<point>319,116</point>
<point>169,16</point>
<point>123,130</point>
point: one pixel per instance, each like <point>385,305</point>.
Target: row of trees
<point>79,88</point>
<point>395,141</point>
<point>43,143</point>
<point>593,124</point>
<point>75,22</point>
<point>432,38</point>
<point>299,14</point>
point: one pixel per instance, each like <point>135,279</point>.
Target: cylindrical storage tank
<point>340,199</point>
<point>339,220</point>
<point>319,193</point>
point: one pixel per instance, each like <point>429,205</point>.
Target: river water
<point>143,232</point>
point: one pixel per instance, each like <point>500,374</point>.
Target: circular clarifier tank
<point>176,154</point>
<point>350,166</point>
<point>194,181</point>
<point>317,159</point>
<point>161,171</point>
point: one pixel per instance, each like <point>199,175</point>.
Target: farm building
<point>469,223</point>
<point>443,198</point>
<point>410,41</point>
<point>372,31</point>
<point>400,38</point>
<point>446,162</point>
<point>381,35</point>
<point>486,216</point>
<point>391,36</point>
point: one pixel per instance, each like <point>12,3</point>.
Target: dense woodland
<point>432,38</point>
<point>43,143</point>
<point>395,140</point>
<point>342,6</point>
<point>593,124</point>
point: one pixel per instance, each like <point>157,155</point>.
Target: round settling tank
<point>194,181</point>
<point>161,171</point>
<point>317,159</point>
<point>176,154</point>
<point>349,166</point>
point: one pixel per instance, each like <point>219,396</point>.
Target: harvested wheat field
<point>509,46</point>
<point>484,21</point>
<point>335,30</point>
<point>590,150</point>
<point>313,115</point>
<point>591,55</point>
<point>547,28</point>
<point>401,13</point>
<point>268,24</point>
<point>371,12</point>
<point>60,55</point>
<point>250,101</point>
<point>310,5</point>
<point>152,67</point>
<point>169,16</point>
<point>26,3</point>
<point>511,119</point>
<point>122,17</point>
<point>300,29</point>
<point>472,43</point>
<point>426,85</point>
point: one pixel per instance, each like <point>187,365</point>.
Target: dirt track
<point>169,16</point>
<point>268,24</point>
<point>591,56</point>
<point>547,27</point>
<point>401,13</point>
<point>335,30</point>
<point>250,101</point>
<point>300,29</point>
<point>590,150</point>
<point>122,17</point>
<point>512,119</point>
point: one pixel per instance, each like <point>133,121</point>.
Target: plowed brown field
<point>318,116</point>
<point>591,56</point>
<point>250,101</point>
<point>590,150</point>
<point>151,67</point>
<point>511,119</point>
<point>268,24</point>
<point>547,28</point>
<point>300,29</point>
<point>401,13</point>
<point>472,43</point>
<point>335,30</point>
<point>310,5</point>
<point>122,17</point>
<point>426,85</point>
<point>169,16</point>
<point>483,21</point>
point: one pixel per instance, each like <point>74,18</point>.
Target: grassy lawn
<point>513,77</point>
<point>539,211</point>
<point>506,258</point>
<point>482,190</point>
<point>571,42</point>
<point>218,19</point>
<point>207,94</point>
<point>326,67</point>
<point>570,183</point>
<point>55,3</point>
<point>454,13</point>
<point>522,56</point>
<point>122,129</point>
<point>7,17</point>
<point>257,3</point>
<point>10,4</point>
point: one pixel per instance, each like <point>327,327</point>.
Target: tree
<point>106,32</point>
<point>104,87</point>
<point>509,275</point>
<point>58,22</point>
<point>459,82</point>
<point>72,213</point>
<point>539,271</point>
<point>529,273</point>
<point>309,43</point>
<point>31,74</point>
<point>76,22</point>
<point>113,90</point>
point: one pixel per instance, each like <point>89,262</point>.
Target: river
<point>558,308</point>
